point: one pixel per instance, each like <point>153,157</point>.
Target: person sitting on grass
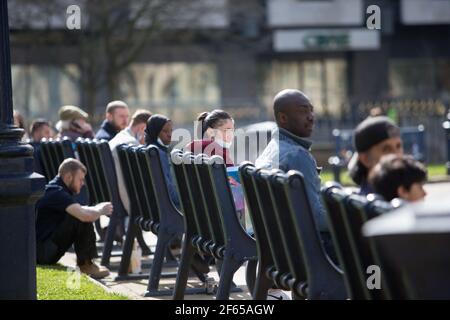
<point>62,222</point>
<point>397,176</point>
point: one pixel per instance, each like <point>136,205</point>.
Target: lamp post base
<point>19,190</point>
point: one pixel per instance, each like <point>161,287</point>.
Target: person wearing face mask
<point>133,134</point>
<point>217,132</point>
<point>159,133</point>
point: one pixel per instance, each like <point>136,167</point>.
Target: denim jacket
<point>287,151</point>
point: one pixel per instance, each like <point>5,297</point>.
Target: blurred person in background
<point>397,176</point>
<point>373,138</point>
<point>73,123</point>
<point>19,122</point>
<point>116,119</point>
<point>39,129</point>
<point>133,134</point>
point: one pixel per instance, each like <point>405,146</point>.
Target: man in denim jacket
<point>289,150</point>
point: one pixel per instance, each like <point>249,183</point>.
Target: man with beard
<point>62,222</point>
<point>116,119</point>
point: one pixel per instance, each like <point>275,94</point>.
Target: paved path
<point>135,289</point>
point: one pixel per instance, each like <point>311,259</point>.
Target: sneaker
<point>277,294</point>
<point>94,271</point>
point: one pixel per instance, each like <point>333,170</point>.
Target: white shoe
<point>277,294</point>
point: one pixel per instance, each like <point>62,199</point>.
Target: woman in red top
<point>217,132</point>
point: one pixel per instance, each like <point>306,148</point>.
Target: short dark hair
<point>37,124</point>
<point>394,171</point>
<point>212,119</point>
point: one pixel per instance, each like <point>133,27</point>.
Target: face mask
<point>223,144</point>
<point>162,143</point>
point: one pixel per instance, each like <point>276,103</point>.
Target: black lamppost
<point>19,189</point>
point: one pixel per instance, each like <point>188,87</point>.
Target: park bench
<point>196,228</point>
<point>302,248</point>
<point>212,225</point>
<point>102,185</point>
<point>102,188</point>
<point>137,207</point>
<point>333,196</point>
<point>346,214</point>
<point>161,216</point>
<point>144,210</point>
<point>240,246</point>
<point>265,260</point>
<point>273,266</point>
<point>53,152</point>
<point>37,159</point>
<point>101,181</point>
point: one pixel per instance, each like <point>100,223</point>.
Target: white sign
<point>326,40</point>
<point>290,13</point>
<point>423,12</point>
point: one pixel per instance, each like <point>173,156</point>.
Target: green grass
<point>326,176</point>
<point>434,170</point>
<point>57,283</point>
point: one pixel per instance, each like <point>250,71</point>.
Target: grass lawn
<point>56,283</point>
<point>434,170</point>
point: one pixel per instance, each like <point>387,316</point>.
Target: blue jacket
<point>107,131</point>
<point>287,152</point>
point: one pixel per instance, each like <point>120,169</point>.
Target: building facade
<point>243,52</point>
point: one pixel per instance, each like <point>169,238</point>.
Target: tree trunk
<point>112,83</point>
<point>89,100</point>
